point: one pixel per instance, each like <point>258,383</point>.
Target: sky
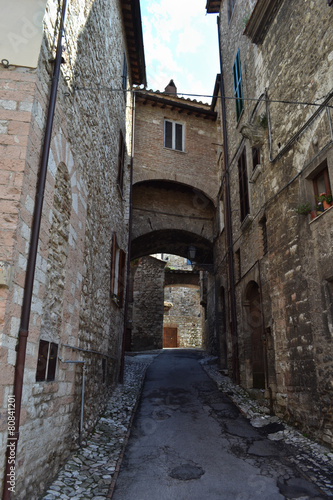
<point>180,43</point>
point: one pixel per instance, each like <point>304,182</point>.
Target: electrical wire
<point>253,99</point>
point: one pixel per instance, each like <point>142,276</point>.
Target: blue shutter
<point>238,88</point>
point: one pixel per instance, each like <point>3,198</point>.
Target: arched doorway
<point>255,328</point>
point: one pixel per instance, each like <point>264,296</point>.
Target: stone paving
<point>315,460</point>
<point>91,472</point>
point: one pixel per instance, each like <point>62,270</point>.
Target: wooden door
<point>170,337</point>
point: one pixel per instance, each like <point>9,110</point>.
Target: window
<point>47,361</point>
<point>173,135</point>
<point>118,260</point>
<point>231,5</point>
<point>321,183</point>
<point>263,226</point>
<point>121,158</point>
<point>243,186</point>
<point>238,89</point>
<point>255,157</point>
<point>124,75</point>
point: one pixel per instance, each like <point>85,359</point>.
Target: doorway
<point>170,337</point>
<point>255,324</point>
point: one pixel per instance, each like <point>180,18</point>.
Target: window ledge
<point>321,214</point>
<point>175,150</point>
<point>247,222</point>
<point>261,18</point>
<point>255,174</point>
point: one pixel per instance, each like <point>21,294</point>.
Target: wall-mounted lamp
<point>191,253</point>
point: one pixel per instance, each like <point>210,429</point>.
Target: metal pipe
<point>82,401</point>
<point>90,351</point>
<point>231,264</point>
<point>122,362</point>
<point>31,265</point>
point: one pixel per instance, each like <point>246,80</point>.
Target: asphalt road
<point>189,442</point>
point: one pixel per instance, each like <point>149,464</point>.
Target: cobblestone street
<point>91,472</point>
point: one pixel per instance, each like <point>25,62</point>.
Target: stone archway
<point>255,328</point>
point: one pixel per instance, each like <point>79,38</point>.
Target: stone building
<point>175,179</point>
<point>164,306</point>
<point>76,325</point>
<point>273,262</point>
<point>182,325</point>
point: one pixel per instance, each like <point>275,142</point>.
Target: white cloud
<point>180,43</point>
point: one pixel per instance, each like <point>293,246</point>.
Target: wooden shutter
<point>121,277</point>
<point>179,137</point>
<point>243,186</point>
<point>168,134</point>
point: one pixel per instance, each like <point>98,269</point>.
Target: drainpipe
<point>122,363</point>
<point>30,272</point>
<point>231,266</point>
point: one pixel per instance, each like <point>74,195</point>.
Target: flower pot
<point>326,205</point>
<point>313,214</point>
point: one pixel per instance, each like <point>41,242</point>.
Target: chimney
<point>171,88</point>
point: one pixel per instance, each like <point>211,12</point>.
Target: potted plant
<point>321,199</point>
<point>328,200</point>
<point>303,208</point>
<point>324,201</point>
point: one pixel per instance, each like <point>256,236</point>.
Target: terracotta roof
<point>163,100</point>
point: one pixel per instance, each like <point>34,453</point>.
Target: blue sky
<point>180,42</point>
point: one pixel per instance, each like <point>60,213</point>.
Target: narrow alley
<point>190,441</point>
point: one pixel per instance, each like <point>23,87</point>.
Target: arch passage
<point>173,241</point>
<point>169,217</point>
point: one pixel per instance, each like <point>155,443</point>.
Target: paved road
<point>189,442</point>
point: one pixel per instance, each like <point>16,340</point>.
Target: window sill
<point>321,215</point>
<point>255,174</point>
<point>175,150</point>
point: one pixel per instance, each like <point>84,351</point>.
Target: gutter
<point>231,264</point>
<point>13,437</point>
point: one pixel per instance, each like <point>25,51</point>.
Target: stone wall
<point>83,206</point>
<point>275,248</point>
<point>147,306</point>
<point>185,314</point>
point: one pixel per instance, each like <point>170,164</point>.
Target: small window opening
<point>47,361</point>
